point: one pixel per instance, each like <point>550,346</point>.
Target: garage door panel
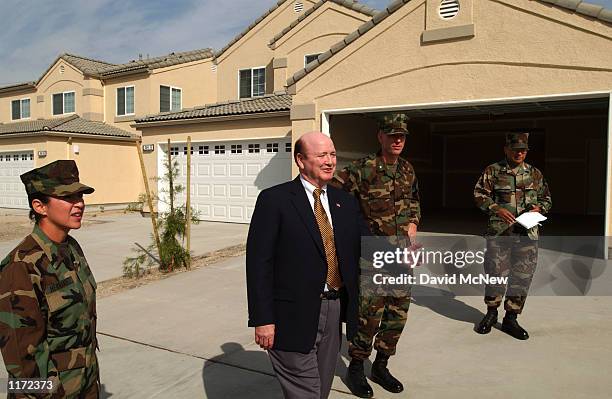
<point>253,169</point>
<point>236,191</point>
<point>236,170</point>
<point>203,170</point>
<point>219,170</point>
<point>219,211</point>
<point>203,190</point>
<point>219,191</point>
<point>236,212</point>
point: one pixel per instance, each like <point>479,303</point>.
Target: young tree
<point>171,224</point>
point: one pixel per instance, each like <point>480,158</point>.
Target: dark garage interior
<point>449,148</point>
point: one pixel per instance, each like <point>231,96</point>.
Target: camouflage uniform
<point>389,201</point>
<point>48,303</point>
<point>512,251</point>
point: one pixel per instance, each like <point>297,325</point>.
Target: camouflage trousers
<point>381,318</point>
<point>514,257</point>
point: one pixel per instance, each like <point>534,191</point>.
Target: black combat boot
<point>487,322</point>
<point>356,380</point>
<point>511,327</point>
<point>382,376</point>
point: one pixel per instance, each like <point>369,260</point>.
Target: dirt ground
<point>16,224</point>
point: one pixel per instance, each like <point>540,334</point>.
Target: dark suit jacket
<point>286,266</point>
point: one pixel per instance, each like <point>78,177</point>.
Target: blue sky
<point>35,32</point>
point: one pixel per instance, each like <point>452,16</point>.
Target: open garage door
<point>12,165</point>
<point>226,177</point>
<point>450,146</point>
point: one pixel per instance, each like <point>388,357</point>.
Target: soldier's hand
<point>506,215</point>
<point>412,232</point>
<point>264,336</point>
<point>535,208</point>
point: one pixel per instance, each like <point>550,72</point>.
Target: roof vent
<point>449,9</point>
<point>298,7</point>
<point>213,68</point>
<point>62,69</point>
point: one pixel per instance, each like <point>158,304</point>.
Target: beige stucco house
<point>82,109</point>
<point>242,142</point>
<point>467,71</point>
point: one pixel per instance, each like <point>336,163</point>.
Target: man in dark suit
<point>302,271</point>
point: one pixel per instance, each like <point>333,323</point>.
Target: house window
<point>252,82</point>
<point>203,150</point>
<point>310,58</point>
<point>125,101</point>
<point>236,148</point>
<point>272,147</point>
<point>16,157</point>
<point>63,103</point>
<point>253,148</point>
<point>219,149</point>
<point>185,150</point>
<point>174,150</point>
<point>20,109</point>
<point>31,156</point>
<point>170,98</point>
<point>287,147</point>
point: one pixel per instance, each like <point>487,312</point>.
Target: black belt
<point>331,294</point>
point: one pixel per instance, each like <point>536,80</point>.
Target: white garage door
<point>12,165</point>
<point>226,177</point>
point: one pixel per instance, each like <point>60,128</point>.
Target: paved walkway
<point>186,337</point>
<point>109,239</point>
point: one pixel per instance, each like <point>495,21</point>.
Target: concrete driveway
<point>186,337</point>
<point>109,239</point>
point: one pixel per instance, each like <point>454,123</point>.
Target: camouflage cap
<point>393,124</point>
<point>517,141</point>
<point>59,178</point>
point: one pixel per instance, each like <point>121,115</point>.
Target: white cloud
<point>35,35</point>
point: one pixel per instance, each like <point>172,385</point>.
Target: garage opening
<point>450,146</point>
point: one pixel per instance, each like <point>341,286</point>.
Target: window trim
<point>171,88</point>
<point>125,101</point>
<point>310,55</point>
<point>21,100</point>
<point>63,93</point>
<point>252,69</point>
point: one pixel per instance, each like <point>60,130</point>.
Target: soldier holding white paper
<point>505,190</point>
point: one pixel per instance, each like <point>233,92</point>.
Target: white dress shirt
<point>309,187</point>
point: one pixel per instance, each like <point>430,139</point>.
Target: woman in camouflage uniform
<point>48,293</point>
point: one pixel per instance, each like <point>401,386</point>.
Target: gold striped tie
<point>327,234</point>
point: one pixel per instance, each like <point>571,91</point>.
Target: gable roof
<point>580,7</point>
<point>248,29</point>
<point>86,65</point>
<point>257,105</point>
<point>69,124</point>
<point>350,4</point>
<point>105,70</point>
<point>148,64</point>
<point>18,87</point>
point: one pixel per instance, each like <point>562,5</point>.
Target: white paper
<point>530,219</point>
